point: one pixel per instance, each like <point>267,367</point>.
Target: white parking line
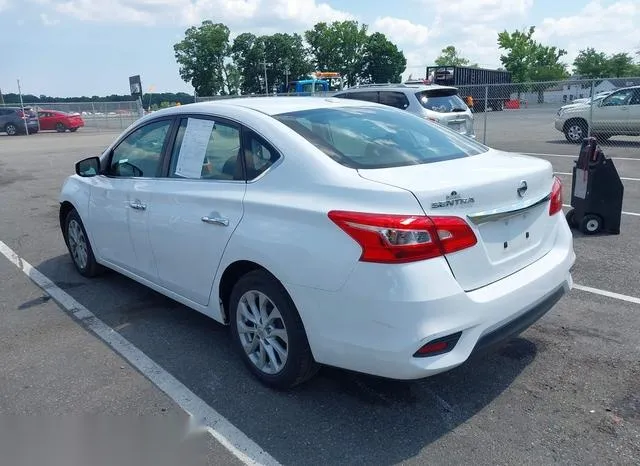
<point>622,177</point>
<point>575,156</point>
<point>633,214</point>
<point>233,439</point>
<point>610,294</point>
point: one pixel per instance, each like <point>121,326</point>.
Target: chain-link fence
<point>96,116</point>
<point>539,116</point>
<point>519,116</point>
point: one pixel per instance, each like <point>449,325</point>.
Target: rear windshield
<point>442,101</point>
<point>371,137</point>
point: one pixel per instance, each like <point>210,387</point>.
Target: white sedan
<point>326,231</point>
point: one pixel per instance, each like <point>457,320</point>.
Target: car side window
<point>371,96</point>
<point>259,155</point>
<point>394,99</point>
<point>206,149</point>
<point>139,154</point>
<point>635,100</point>
<point>618,98</point>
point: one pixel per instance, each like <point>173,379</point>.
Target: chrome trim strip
<point>498,214</point>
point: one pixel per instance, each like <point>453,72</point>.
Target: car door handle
<point>216,221</point>
<point>137,205</point>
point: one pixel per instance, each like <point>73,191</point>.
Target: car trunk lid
<point>513,230</point>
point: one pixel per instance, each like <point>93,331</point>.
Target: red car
<point>59,121</point>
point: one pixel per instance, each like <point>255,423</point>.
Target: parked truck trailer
<point>486,87</point>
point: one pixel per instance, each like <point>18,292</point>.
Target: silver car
<point>441,104</point>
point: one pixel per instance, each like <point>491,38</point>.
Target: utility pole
<point>24,116</point>
<point>266,82</point>
<point>286,75</point>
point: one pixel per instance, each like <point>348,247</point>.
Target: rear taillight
<point>386,238</point>
<point>555,205</point>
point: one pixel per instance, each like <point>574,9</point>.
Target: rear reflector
<point>386,238</point>
<point>439,346</point>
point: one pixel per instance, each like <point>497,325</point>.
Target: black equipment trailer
<point>596,192</point>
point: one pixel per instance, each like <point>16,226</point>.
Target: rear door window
<point>371,96</point>
<point>394,99</point>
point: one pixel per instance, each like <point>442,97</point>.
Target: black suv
<point>12,120</point>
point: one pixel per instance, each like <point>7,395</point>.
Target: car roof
<point>268,105</point>
<point>397,87</point>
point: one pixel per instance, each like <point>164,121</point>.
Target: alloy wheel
<point>262,332</point>
<point>78,244</point>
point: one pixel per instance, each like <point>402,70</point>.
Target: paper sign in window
<point>194,147</point>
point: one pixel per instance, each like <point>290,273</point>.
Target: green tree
<point>593,64</point>
<point>285,52</point>
<point>383,62</point>
<point>248,52</point>
<point>528,60</point>
<point>281,52</point>
<point>201,57</point>
<point>449,57</point>
<point>621,65</point>
<point>339,46</point>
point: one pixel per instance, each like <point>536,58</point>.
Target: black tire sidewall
<point>587,219</point>
<point>92,267</point>
<point>299,358</point>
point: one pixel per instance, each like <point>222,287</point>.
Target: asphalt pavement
<point>566,391</point>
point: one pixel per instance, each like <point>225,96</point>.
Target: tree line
<point>149,100</point>
<point>216,65</point>
<point>531,61</point>
<point>213,64</point>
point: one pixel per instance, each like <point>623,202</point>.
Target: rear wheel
<point>268,332</point>
<point>571,218</point>
<point>591,224</point>
<point>61,128</point>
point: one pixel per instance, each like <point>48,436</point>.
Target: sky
<point>91,47</point>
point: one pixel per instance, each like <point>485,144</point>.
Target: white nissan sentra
<point>326,231</point>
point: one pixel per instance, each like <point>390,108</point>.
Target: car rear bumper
<point>383,315</point>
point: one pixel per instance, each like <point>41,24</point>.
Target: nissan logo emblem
<point>522,189</point>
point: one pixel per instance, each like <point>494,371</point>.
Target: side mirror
<point>88,167</point>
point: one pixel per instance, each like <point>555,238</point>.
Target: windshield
<point>370,137</point>
<point>442,101</point>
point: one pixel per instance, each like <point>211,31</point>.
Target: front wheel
<point>79,246</point>
<point>11,129</point>
<point>268,332</point>
<point>73,130</point>
<point>61,128</point>
<point>575,131</point>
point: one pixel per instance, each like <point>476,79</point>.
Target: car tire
<point>591,224</point>
<point>79,247</point>
<point>575,131</point>
<point>60,128</point>
<point>571,218</point>
<point>11,129</point>
<point>272,343</point>
<point>73,130</point>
